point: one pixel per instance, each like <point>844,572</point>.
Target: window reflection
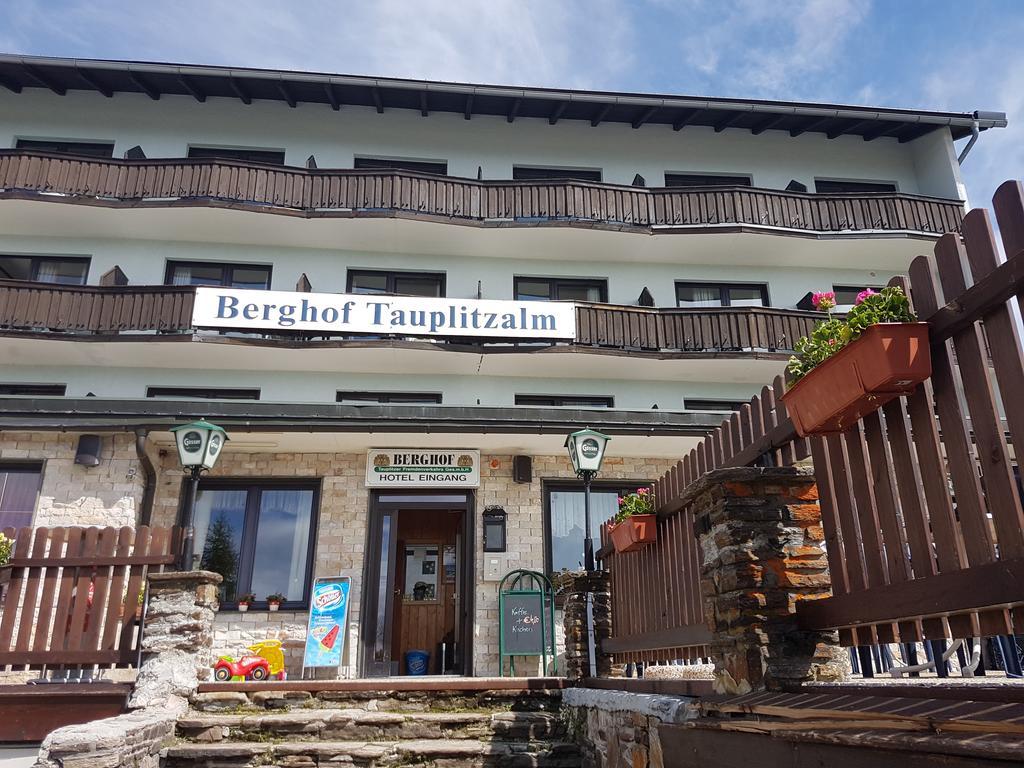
<point>567,519</point>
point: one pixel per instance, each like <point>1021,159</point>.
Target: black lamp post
<point>199,447</point>
<point>586,452</point>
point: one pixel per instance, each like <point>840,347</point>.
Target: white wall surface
<point>165,128</point>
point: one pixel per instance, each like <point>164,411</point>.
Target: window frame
<point>391,277</point>
<point>706,403</point>
<point>160,392</point>
<point>67,146</point>
<point>36,260</point>
<point>41,389</point>
<point>520,396</point>
<point>39,468</point>
<point>384,397</point>
<point>553,282</point>
<point>256,154</point>
<point>714,179</point>
<point>852,288</point>
<point>247,546</point>
<point>226,267</point>
<point>365,163</point>
<point>869,182</point>
<point>723,287</point>
<point>547,485</point>
<point>558,173</point>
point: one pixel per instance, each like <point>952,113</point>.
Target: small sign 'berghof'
<point>423,468</point>
<point>381,315</point>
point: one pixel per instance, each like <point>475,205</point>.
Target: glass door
<point>377,660</point>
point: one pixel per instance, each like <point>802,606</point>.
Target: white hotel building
<point>147,209</point>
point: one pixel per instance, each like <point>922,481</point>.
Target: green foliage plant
<point>639,503</point>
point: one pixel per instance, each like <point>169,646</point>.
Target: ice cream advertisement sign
<point>328,613</point>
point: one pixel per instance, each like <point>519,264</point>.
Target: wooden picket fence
<point>73,593</point>
<point>921,501</point>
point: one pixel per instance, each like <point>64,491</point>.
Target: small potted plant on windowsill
<point>848,368</point>
<point>635,524</point>
<point>274,601</point>
<point>244,601</point>
<point>6,552</point>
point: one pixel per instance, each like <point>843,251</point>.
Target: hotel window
<point>19,484</point>
<point>393,398</point>
<point>576,401</point>
<point>694,404</point>
<point>268,156</point>
<point>695,295</point>
<point>437,168</point>
<point>259,537</point>
<point>44,269</point>
<point>32,390</point>
<point>560,289</point>
<point>563,506</point>
<point>368,281</point>
<point>531,173</point>
<point>85,148</point>
<point>706,180</point>
<point>217,274</point>
<point>201,393</point>
<point>829,187</point>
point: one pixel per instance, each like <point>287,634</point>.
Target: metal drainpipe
<point>149,477</point>
<point>970,144</point>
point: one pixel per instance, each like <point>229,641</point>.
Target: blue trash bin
<point>417,662</point>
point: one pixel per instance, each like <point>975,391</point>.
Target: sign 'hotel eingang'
<point>406,315</point>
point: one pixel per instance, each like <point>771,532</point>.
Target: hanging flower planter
<point>635,526</point>
<point>882,361</point>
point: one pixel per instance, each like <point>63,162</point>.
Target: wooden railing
<point>920,501</point>
<point>72,594</point>
<point>340,192</point>
<point>110,310</point>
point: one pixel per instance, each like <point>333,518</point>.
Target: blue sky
<point>937,54</point>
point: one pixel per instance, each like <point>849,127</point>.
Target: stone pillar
<point>178,639</point>
<point>761,544</point>
<point>574,620</point>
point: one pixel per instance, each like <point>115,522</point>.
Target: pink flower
<point>643,491</point>
<point>621,500</point>
<point>864,294</point>
<point>823,300</point>
<point>831,342</point>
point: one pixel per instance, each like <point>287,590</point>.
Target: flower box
<point>633,533</point>
<point>887,360</point>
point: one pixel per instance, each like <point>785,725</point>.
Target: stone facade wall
<point>71,494</point>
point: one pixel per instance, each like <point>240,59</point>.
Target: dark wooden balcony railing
<point>27,307</point>
<point>346,193</point>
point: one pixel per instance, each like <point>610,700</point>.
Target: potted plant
<point>849,367</point>
<point>6,552</point>
<point>635,524</point>
<point>244,601</point>
<point>274,601</point>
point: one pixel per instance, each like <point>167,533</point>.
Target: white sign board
<point>422,468</point>
<point>403,315</point>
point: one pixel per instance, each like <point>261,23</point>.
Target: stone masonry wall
<point>108,494</point>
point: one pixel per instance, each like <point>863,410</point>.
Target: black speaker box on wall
<point>522,469</point>
<point>89,451</point>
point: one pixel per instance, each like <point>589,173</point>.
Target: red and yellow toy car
<point>246,668</point>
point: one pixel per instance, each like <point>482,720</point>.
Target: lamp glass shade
<point>199,444</point>
<point>586,450</point>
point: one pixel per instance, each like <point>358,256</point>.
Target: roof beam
<point>189,85</point>
<point>95,82</point>
<point>10,85</point>
<point>514,109</point>
<point>44,80</point>
<point>885,130</point>
<point>469,106</point>
<point>727,121</point>
<point>377,102</point>
<point>240,91</point>
<point>685,118</point>
<point>424,104</point>
<point>769,122</point>
<point>289,97</point>
<point>145,87</point>
<point>809,125</point>
<point>557,112</point>
<point>332,97</point>
<point>602,113</point>
<point>644,116</point>
<point>835,133</point>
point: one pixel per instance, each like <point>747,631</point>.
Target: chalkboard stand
<point>526,619</point>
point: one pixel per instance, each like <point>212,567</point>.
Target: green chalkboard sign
<point>526,618</point>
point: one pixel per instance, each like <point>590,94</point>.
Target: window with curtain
<point>19,484</point>
<point>44,269</point>
<point>258,537</point>
<point>701,294</point>
<point>560,289</point>
<point>565,519</point>
<point>373,281</point>
<point>225,275</point>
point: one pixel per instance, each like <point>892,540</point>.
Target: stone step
<point>348,724</point>
<point>543,700</point>
<point>430,753</point>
